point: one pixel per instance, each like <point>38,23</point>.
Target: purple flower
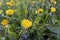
<point>25,36</point>
<point>7,35</point>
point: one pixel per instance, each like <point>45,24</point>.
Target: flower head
<point>54,2</point>
<point>4,22</point>
<point>10,3</point>
<point>9,12</point>
<point>39,10</point>
<point>0,4</point>
<point>40,0</point>
<point>25,36</point>
<point>53,9</point>
<point>26,23</point>
<point>1,11</point>
<point>33,2</point>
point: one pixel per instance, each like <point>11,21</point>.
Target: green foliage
<point>26,9</point>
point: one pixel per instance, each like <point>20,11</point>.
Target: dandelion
<point>40,0</point>
<point>33,2</point>
<point>53,9</point>
<point>0,4</point>
<point>26,23</point>
<point>1,11</point>
<point>39,10</point>
<point>54,2</point>
<point>9,12</point>
<point>4,22</point>
<point>12,3</point>
<point>8,3</point>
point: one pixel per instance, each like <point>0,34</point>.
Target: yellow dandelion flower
<point>9,12</point>
<point>54,2</point>
<point>0,4</point>
<point>4,22</point>
<point>53,9</point>
<point>26,23</point>
<point>12,3</point>
<point>1,11</point>
<point>33,2</point>
<point>40,0</point>
<point>8,3</point>
<point>39,10</point>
